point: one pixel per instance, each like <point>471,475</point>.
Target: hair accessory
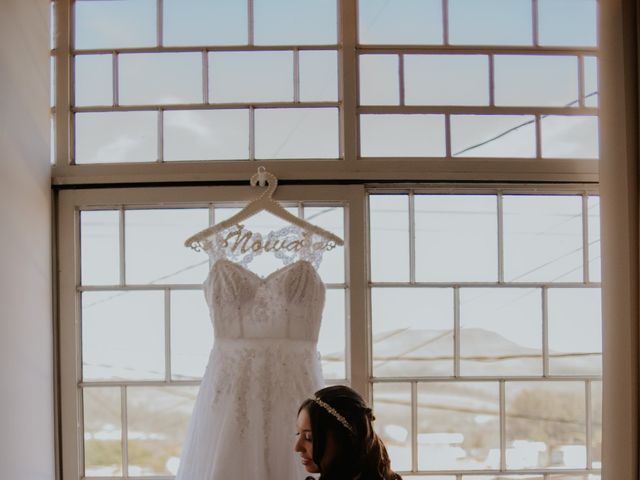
<point>332,411</point>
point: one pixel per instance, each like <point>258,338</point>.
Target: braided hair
<point>358,451</point>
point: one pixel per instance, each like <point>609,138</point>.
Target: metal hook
<point>262,176</point>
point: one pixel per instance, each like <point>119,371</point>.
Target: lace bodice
<point>287,304</point>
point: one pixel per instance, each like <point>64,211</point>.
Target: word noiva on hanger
<point>246,240</point>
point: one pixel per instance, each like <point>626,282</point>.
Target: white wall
<point>26,367</point>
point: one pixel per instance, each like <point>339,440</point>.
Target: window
<point>145,331</point>
<point>223,78</point>
<point>476,360</point>
<point>453,144</point>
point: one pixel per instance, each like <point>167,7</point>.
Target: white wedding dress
<point>263,364</point>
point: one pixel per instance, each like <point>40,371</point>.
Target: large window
<point>464,137</point>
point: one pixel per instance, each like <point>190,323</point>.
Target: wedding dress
<point>263,364</point>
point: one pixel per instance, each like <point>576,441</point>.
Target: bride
<point>336,438</point>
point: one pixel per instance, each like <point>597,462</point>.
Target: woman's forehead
<point>303,421</point>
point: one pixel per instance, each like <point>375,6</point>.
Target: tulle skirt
<point>244,420</point>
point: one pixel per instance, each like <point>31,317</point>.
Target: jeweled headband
<point>332,411</point>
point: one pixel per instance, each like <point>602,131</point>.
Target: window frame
<point>154,183</point>
<point>71,202</point>
<point>350,167</point>
<point>354,198</point>
<point>584,191</point>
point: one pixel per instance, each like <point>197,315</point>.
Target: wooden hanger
<point>264,202</point>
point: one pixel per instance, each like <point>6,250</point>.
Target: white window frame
<point>414,381</point>
<point>208,181</point>
<point>357,281</point>
<point>350,166</point>
<point>71,202</point>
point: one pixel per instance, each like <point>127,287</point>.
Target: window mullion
<point>347,72</point>
<point>64,83</point>
<point>159,23</point>
<point>358,335</point>
<point>125,431</point>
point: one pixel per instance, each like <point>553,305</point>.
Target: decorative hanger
<point>264,202</point>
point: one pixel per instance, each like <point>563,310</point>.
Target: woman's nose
<point>296,446</point>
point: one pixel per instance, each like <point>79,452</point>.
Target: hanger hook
<point>262,178</point>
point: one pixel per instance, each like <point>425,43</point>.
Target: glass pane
<point>206,135</point>
<point>331,219</point>
<point>318,76</point>
<point>569,136</point>
<point>331,342</point>
<point>250,77</point>
<point>52,141</point>
<point>565,476</point>
<point>53,19</point>
<point>591,81</point>
<point>446,79</point>
<point>493,136</point>
<point>568,22</point>
<point>160,78</point>
<point>418,342</point>
<point>109,24</point>
<point>389,227</point>
<point>545,423</point>
<point>94,80</point>
<point>198,22</point>
<point>379,80</point>
<point>456,238</point>
<point>500,331</point>
<point>52,81</point>
<point>291,22</point>
<point>100,247</point>
<point>102,432</point>
<point>596,424</point>
<point>575,331</point>
<point>458,426</point>
<point>123,335</point>
<point>392,409</point>
<point>297,133</point>
<point>428,477</point>
<point>191,334</point>
<point>490,22</point>
<point>536,80</point>
<point>116,137</point>
<point>154,246</point>
<point>157,421</point>
<point>505,477</point>
<point>543,238</point>
<point>593,212</point>
<point>400,22</point>
<point>402,136</point>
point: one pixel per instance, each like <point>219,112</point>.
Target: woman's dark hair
<point>357,452</point>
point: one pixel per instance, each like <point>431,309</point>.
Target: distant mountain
<point>425,352</point>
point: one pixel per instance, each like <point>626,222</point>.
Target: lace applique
<point>270,369</point>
